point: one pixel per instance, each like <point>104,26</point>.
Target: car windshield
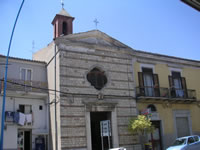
<point>179,142</point>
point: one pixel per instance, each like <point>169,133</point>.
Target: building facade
<point>93,76</point>
<point>26,109</point>
<point>96,79</point>
<point>169,88</point>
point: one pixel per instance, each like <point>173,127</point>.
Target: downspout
<point>56,130</point>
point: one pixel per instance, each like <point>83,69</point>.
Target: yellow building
<point>170,88</point>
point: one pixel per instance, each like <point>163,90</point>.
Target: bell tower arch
<point>63,23</point>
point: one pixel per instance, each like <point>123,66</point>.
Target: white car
<point>119,148</point>
<point>186,143</point>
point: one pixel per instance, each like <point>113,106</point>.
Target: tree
<point>141,125</point>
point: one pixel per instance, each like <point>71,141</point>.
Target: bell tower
<point>63,23</point>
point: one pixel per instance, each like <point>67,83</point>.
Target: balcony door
<point>177,85</point>
<point>148,83</point>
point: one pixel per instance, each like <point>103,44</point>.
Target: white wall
<point>40,118</point>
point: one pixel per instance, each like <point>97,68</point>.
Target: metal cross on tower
<point>62,3</point>
<point>96,22</point>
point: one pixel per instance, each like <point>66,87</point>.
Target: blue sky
<point>167,27</point>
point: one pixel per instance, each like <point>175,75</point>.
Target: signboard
<point>105,128</point>
<point>105,132</point>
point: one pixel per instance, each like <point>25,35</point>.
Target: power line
<point>61,92</point>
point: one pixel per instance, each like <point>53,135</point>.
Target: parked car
<point>186,143</point>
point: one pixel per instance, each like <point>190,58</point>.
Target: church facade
<point>93,82</point>
<point>97,84</point>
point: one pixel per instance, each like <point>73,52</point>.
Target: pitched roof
<point>97,37</point>
<point>22,59</point>
<point>63,12</point>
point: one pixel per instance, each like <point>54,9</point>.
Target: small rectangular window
<point>26,74</point>
<point>21,108</point>
<point>26,109</point>
<point>40,107</point>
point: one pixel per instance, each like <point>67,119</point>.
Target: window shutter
<point>156,81</point>
<point>141,83</point>
<point>141,80</point>
<point>156,85</point>
<point>184,86</point>
<point>171,84</point>
<point>183,82</point>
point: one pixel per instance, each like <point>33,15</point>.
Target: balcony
<point>27,86</point>
<point>165,93</point>
<point>182,93</point>
<point>25,120</point>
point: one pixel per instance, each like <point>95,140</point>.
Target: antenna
<point>62,3</point>
<point>33,47</point>
<point>96,22</point>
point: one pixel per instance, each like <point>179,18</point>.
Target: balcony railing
<point>21,85</point>
<point>182,93</point>
<point>152,92</point>
<point>147,91</point>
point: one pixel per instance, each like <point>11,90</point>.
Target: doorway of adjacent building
<point>155,138</point>
<point>95,118</point>
<point>24,140</point>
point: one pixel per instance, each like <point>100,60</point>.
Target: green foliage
<point>141,125</point>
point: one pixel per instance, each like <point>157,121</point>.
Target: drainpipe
<point>56,129</point>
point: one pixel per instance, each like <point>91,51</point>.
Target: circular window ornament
<point>97,78</point>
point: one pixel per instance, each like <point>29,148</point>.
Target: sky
<point>168,27</point>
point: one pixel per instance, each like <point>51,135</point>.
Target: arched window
<point>64,28</point>
<point>97,78</point>
<point>152,108</point>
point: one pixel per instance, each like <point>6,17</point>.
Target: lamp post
<point>5,81</point>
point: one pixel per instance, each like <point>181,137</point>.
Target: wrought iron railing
<point>148,91</point>
<point>21,85</point>
<point>182,93</point>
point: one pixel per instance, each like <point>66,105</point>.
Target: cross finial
<point>62,3</point>
<point>96,22</point>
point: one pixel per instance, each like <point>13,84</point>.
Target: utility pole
<point>5,81</point>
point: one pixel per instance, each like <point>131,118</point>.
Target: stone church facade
<point>91,79</point>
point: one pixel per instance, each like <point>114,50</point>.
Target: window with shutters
<point>148,83</point>
<point>26,77</point>
<point>177,85</point>
<point>26,74</point>
<point>26,109</point>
